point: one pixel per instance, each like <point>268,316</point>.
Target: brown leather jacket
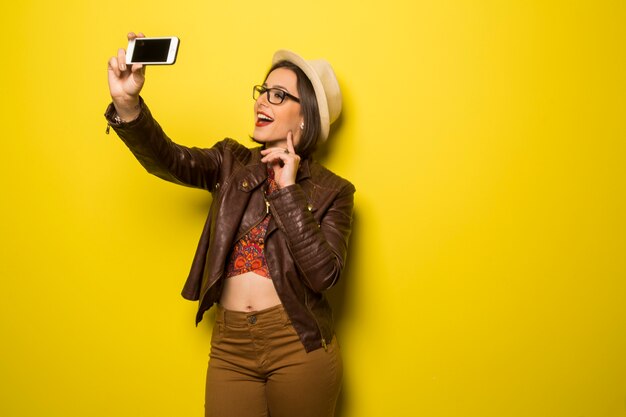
<point>307,237</point>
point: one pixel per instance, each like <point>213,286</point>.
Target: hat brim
<point>320,95</point>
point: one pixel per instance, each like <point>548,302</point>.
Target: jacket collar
<point>304,170</point>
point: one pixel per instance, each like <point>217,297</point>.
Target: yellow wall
<point>487,143</point>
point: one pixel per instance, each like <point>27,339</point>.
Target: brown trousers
<point>259,368</point>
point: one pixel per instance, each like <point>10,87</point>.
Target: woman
<point>275,238</point>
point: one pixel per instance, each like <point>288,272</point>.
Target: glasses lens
<point>257,90</point>
<point>276,96</point>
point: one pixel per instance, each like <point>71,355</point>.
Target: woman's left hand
<point>284,162</point>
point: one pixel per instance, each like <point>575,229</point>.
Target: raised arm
<point>132,121</point>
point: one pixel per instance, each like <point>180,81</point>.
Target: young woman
<point>275,238</point>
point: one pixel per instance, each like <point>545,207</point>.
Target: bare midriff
<point>248,292</point>
<point>248,285</point>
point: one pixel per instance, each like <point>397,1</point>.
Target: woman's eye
<point>277,93</point>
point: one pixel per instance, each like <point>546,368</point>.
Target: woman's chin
<point>266,139</point>
<point>259,136</point>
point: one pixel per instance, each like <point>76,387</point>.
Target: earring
<point>302,126</point>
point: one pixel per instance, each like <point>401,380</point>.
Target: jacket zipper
<point>267,211</point>
<point>306,302</point>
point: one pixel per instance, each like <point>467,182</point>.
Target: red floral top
<point>248,253</point>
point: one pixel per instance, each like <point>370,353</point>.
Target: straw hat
<point>324,83</point>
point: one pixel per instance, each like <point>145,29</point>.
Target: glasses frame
<point>263,89</point>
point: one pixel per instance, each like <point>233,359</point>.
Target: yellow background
<point>486,140</point>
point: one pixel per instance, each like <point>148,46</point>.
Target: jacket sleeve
<point>160,156</point>
<point>319,250</point>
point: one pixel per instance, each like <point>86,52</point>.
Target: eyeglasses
<point>274,95</point>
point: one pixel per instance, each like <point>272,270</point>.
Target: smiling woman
<point>276,93</point>
<point>278,118</point>
<point>276,238</point>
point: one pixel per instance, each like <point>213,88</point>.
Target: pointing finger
<point>290,147</point>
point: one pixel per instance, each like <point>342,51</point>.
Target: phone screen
<point>151,50</point>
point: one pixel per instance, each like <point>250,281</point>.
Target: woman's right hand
<point>125,83</point>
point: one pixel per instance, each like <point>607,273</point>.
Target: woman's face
<point>274,121</point>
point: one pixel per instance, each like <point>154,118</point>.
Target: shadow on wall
<point>341,302</point>
<point>339,296</point>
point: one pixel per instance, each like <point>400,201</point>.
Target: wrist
<point>127,109</point>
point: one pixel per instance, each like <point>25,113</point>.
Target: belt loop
<point>219,314</point>
<point>284,316</point>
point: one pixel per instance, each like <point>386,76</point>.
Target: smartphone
<point>152,51</point>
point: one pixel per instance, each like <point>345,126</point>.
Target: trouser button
<point>252,319</point>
